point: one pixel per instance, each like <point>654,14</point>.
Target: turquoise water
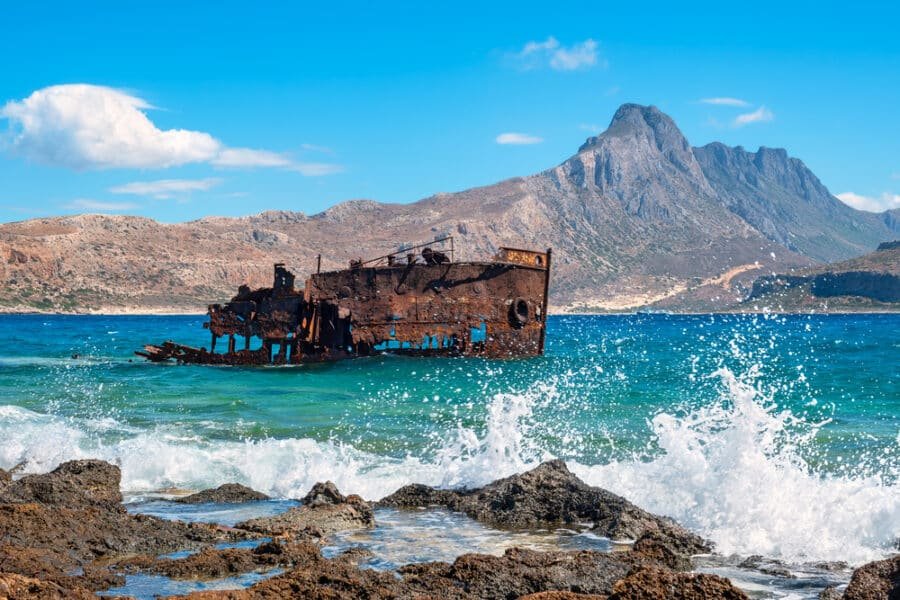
<point>775,435</point>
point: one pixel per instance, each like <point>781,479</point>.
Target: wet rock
<point>520,572</point>
<point>550,495</point>
<point>324,511</point>
<point>72,483</point>
<point>323,493</point>
<point>830,565</point>
<point>666,550</point>
<point>88,533</point>
<point>767,566</point>
<point>229,493</point>
<point>356,555</point>
<point>652,583</point>
<point>55,566</point>
<point>211,563</point>
<point>60,526</point>
<point>879,579</point>
<point>314,578</point>
<point>473,576</point>
<point>832,592</point>
<point>562,596</point>
<point>19,587</point>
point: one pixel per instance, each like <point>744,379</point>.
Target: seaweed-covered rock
<point>876,580</point>
<point>323,511</point>
<point>550,494</point>
<point>229,493</point>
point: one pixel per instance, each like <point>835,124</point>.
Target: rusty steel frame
<point>439,307</point>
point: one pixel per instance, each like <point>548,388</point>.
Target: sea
<point>775,436</point>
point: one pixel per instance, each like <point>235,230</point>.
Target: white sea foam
<point>731,470</point>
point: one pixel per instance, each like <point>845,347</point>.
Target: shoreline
<point>49,520</point>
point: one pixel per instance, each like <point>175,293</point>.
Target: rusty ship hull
<point>424,305</point>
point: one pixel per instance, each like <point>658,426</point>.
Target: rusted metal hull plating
<point>495,309</point>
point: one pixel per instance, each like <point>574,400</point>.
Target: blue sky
<point>193,109</point>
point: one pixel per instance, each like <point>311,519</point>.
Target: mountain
<point>636,217</point>
<point>784,201</point>
<point>869,282</point>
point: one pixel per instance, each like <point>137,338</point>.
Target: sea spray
<point>733,472</point>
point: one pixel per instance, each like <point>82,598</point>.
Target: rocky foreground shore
<point>66,534</point>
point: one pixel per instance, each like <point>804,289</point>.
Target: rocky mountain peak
<point>643,123</point>
<point>643,161</point>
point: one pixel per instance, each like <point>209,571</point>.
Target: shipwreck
<point>417,300</point>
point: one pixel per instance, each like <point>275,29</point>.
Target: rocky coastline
<point>67,534</point>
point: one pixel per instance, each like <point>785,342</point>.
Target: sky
<point>179,110</point>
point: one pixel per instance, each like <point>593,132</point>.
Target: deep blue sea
<point>773,435</point>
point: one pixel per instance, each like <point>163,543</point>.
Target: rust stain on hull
<point>424,304</point>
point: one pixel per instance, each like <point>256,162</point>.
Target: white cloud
<point>316,169</point>
<point>99,206</point>
<point>872,204</point>
<point>245,157</point>
<point>725,101</point>
<point>84,126</point>
<point>760,115</point>
<point>550,52</point>
<point>579,56</point>
<point>166,188</point>
<point>317,148</point>
<point>518,139</point>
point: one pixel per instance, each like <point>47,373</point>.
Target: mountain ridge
<point>634,216</point>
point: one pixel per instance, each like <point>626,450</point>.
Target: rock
<point>229,493</point>
<point>519,572</point>
<point>72,483</point>
<point>19,587</point>
<point>59,526</point>
<point>53,565</point>
<point>323,511</point>
<point>212,563</point>
<point>767,566</point>
<point>654,583</point>
<point>666,550</point>
<point>562,596</point>
<point>314,578</point>
<point>83,534</point>
<point>832,592</point>
<point>875,580</point>
<point>550,495</point>
<point>323,493</point>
